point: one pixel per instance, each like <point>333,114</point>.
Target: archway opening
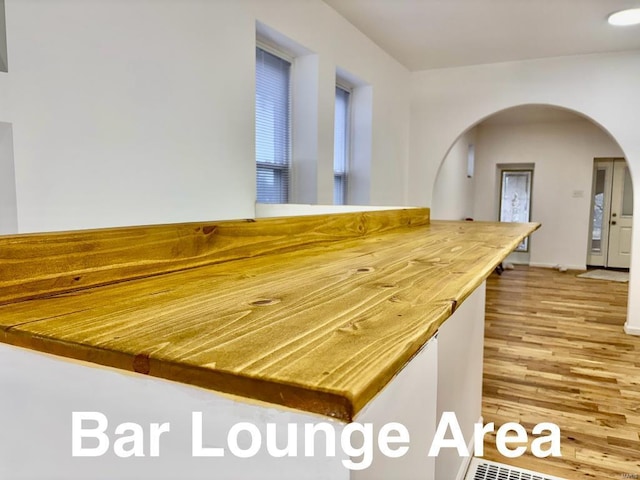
<point>536,317</point>
<point>556,149</point>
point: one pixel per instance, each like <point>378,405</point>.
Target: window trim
<point>344,176</point>
<point>287,168</point>
<point>274,50</point>
<point>529,169</point>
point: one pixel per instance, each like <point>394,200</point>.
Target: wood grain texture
<point>36,265</point>
<point>555,351</point>
<point>321,329</point>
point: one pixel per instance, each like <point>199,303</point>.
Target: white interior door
<point>621,221</point>
<point>611,214</point>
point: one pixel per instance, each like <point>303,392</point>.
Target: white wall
<point>359,178</point>
<point>453,192</point>
<point>266,210</point>
<point>35,437</point>
<point>3,40</point>
<point>446,102</point>
<point>46,390</point>
<point>143,112</point>
<point>460,360</point>
<point>410,399</point>
<point>562,154</point>
<point>8,207</point>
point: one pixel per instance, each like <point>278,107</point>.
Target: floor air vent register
<point>485,470</point>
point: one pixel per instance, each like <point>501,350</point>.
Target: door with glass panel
<point>611,214</point>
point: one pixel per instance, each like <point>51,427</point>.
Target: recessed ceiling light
<point>625,17</point>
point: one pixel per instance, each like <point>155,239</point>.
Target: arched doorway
<point>538,320</point>
<point>559,147</point>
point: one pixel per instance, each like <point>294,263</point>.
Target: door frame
<point>608,166</point>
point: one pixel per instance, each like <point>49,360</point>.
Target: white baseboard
<point>466,461</point>
<point>629,330</point>
<point>549,265</point>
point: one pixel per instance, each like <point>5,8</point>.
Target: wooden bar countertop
<point>318,316</point>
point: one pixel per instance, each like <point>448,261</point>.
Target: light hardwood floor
<point>555,351</point>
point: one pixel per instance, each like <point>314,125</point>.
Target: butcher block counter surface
<point>319,325</point>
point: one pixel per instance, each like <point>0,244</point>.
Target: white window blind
<point>273,127</point>
<point>341,146</point>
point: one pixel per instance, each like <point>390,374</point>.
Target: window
<point>341,146</point>
<point>515,199</point>
<point>273,127</point>
<point>598,208</point>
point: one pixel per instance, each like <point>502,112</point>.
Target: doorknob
<point>614,214</point>
<point>613,223</point>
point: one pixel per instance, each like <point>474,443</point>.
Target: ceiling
<point>425,34</point>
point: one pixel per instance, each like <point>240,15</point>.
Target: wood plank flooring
<point>555,351</point>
